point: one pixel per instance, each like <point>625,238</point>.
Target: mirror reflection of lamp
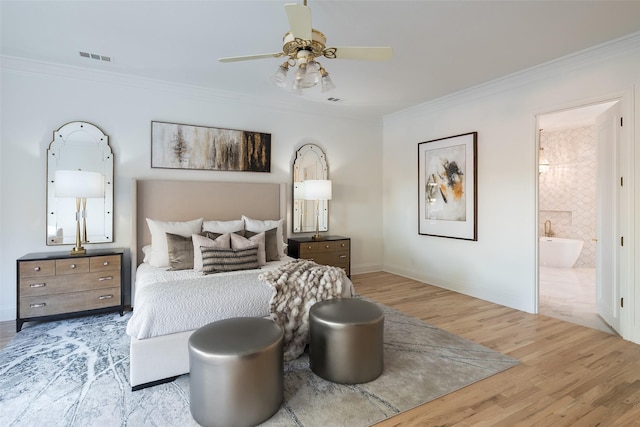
<point>317,189</point>
<point>79,185</point>
<point>298,194</point>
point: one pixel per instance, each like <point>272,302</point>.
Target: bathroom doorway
<point>569,214</point>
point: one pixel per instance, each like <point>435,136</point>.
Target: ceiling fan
<point>302,45</point>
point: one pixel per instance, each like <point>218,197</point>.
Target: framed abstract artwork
<point>447,187</point>
<point>177,146</point>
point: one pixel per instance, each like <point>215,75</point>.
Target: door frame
<point>628,289</point>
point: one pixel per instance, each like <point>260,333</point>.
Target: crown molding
<point>286,104</point>
<point>621,47</point>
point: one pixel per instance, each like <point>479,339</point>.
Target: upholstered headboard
<point>171,200</point>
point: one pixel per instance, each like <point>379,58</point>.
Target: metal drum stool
<point>236,372</point>
<point>346,340</point>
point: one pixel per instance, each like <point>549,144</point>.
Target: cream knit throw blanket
<point>298,285</point>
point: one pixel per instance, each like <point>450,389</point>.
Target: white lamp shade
<point>317,189</point>
<point>73,184</point>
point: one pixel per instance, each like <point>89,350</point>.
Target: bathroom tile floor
<point>570,294</point>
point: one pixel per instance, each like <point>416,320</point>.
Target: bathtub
<point>559,252</point>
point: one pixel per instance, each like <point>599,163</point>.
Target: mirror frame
<point>306,156</point>
<point>63,154</point>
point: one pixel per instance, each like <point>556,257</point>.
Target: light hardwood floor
<point>569,375</point>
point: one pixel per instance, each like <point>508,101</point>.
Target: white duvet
<point>168,302</point>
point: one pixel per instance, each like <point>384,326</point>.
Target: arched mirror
<point>79,146</point>
<point>310,164</point>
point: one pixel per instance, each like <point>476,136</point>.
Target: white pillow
<point>239,242</point>
<point>146,250</point>
<point>221,242</point>
<point>257,226</point>
<point>159,256</point>
<point>223,226</point>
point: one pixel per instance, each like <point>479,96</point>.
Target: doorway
<point>569,218</point>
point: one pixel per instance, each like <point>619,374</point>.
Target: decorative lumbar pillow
<point>222,227</point>
<point>159,256</point>
<point>223,241</point>
<point>221,260</point>
<point>239,242</point>
<point>270,243</point>
<point>180,251</point>
<point>257,226</point>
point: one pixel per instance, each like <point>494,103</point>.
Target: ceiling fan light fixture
<point>325,81</point>
<point>302,44</point>
<point>280,76</point>
<point>311,75</point>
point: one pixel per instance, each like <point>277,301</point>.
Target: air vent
<point>95,56</point>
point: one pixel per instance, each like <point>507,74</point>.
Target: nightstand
<point>55,285</point>
<point>331,250</point>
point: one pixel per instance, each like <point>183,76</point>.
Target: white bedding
<point>168,302</point>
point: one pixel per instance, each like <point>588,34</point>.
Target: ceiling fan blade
<point>364,53</point>
<point>250,57</point>
<point>299,20</point>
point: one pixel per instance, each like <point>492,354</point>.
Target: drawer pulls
<point>102,279</point>
<point>105,297</point>
<point>343,256</point>
<point>72,266</point>
<point>40,305</point>
<point>37,285</point>
<point>105,263</point>
<point>36,268</point>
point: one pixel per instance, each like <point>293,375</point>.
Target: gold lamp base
<point>78,249</point>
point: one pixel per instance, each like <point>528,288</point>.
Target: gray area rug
<point>76,373</point>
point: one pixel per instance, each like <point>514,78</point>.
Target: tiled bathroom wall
<point>567,193</point>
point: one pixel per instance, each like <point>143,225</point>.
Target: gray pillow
<point>221,260</point>
<point>180,252</point>
<point>270,243</point>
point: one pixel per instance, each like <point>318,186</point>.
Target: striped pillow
<point>220,260</point>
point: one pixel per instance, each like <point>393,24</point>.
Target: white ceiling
<point>440,47</point>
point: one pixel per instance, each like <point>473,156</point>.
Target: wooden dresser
<point>54,285</point>
<point>331,250</point>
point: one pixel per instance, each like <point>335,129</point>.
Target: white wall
<point>39,98</point>
<point>501,266</point>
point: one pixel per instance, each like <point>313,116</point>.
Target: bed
<point>168,306</point>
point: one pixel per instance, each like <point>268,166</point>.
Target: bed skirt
<point>157,360</point>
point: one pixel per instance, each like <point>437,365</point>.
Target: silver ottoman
<point>236,372</point>
<point>346,340</point>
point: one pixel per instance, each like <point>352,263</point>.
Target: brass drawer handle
<point>105,297</point>
<point>327,246</point>
<point>309,247</point>
<point>72,266</point>
<point>37,285</point>
<point>36,268</point>
<point>105,263</point>
<point>42,304</point>
<point>102,279</point>
<point>343,245</point>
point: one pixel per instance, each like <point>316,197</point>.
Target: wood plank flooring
<point>569,375</point>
